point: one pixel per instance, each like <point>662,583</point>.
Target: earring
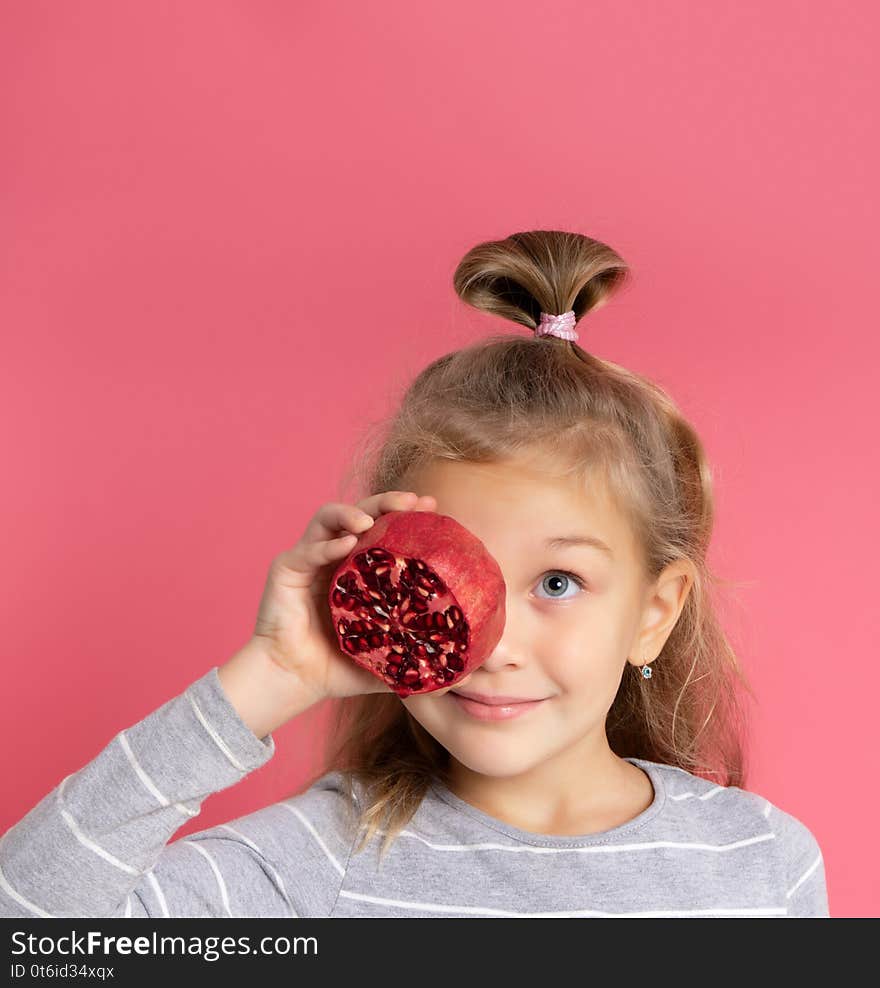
<point>647,672</point>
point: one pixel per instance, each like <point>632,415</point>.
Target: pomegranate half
<point>419,601</point>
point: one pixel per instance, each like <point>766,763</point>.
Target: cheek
<point>584,657</point>
<point>429,711</point>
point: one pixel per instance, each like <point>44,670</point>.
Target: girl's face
<point>575,616</point>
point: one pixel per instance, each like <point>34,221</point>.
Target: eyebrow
<point>564,541</point>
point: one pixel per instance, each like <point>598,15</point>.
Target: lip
<point>493,711</point>
<point>495,701</point>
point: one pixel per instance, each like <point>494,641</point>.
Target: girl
<point>617,790</point>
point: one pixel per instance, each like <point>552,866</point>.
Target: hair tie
<point>561,326</point>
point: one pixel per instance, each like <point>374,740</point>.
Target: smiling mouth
<point>493,712</point>
<point>497,701</point>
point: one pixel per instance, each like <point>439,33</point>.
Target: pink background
<point>228,237</point>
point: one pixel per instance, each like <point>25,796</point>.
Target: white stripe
<point>691,775</point>
<point>159,893</point>
<point>92,846</point>
<point>804,877</point>
<point>147,781</point>
<point>223,894</point>
<point>485,911</point>
<point>275,876</point>
<point>596,849</point>
<point>706,795</point>
<point>87,841</point>
<point>767,807</point>
<point>316,835</point>
<point>128,905</point>
<point>21,900</point>
<point>221,744</point>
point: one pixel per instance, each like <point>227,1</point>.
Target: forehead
<point>529,500</point>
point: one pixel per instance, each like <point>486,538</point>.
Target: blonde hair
<point>507,394</point>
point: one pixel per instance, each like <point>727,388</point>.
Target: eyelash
<point>572,576</point>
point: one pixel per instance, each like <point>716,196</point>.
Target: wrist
<point>264,695</point>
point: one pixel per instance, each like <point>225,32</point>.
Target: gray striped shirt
<point>99,844</point>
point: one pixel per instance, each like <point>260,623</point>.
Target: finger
<point>334,530</point>
<point>377,504</point>
<point>335,518</point>
<point>302,564</point>
<point>316,555</point>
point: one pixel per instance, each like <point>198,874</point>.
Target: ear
<point>663,603</point>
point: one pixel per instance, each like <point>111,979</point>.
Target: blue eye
<point>556,577</point>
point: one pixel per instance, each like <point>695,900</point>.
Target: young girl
<point>616,790</point>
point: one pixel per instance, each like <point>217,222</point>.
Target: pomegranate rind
<point>460,559</point>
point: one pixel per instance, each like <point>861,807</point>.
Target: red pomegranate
<point>419,601</point>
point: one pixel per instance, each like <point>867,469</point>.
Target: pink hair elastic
<point>561,326</point>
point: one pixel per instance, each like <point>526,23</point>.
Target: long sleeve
<point>806,894</point>
<point>91,846</point>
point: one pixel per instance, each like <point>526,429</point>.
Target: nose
<point>500,658</point>
<point>509,652</point>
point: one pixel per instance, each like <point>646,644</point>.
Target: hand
<point>294,623</point>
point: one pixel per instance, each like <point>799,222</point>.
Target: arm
<point>93,846</point>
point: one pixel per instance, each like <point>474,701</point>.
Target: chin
<point>497,762</point>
